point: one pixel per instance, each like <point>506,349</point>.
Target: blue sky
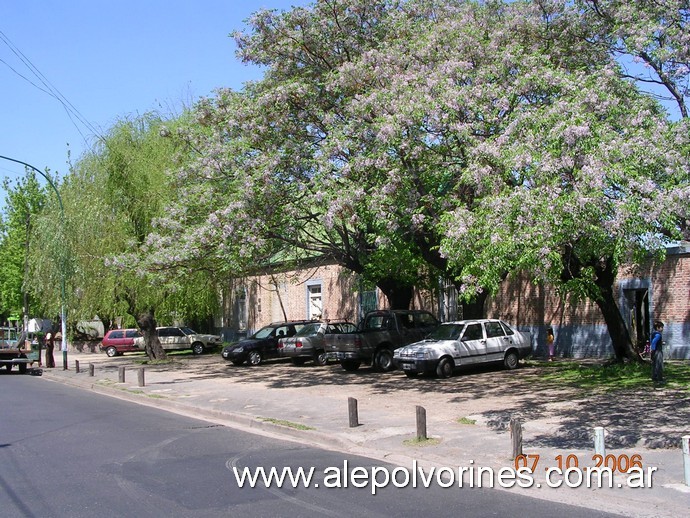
<point>109,59</point>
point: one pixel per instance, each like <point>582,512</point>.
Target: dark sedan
<point>263,344</point>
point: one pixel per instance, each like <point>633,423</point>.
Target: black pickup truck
<point>377,336</point>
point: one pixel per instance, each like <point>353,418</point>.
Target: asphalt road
<point>70,452</point>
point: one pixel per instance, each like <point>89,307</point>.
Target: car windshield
<point>264,332</point>
<point>309,329</point>
<point>188,331</point>
<point>446,332</point>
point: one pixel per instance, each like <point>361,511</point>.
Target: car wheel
<point>321,358</point>
<point>298,361</point>
<point>444,368</point>
<point>254,358</point>
<point>111,351</point>
<point>350,365</point>
<point>198,348</point>
<point>383,360</point>
<point>237,362</point>
<point>511,360</point>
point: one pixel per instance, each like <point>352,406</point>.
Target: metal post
<point>686,458</point>
<point>599,446</point>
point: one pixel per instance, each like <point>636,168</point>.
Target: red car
<point>118,341</point>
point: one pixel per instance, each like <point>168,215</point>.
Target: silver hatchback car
<point>466,342</point>
<point>308,343</point>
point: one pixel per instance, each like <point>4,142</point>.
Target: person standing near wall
<point>657,350</point>
<point>550,343</point>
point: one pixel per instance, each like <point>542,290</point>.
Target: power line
<point>72,112</point>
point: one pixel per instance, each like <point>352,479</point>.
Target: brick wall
<point>578,325</point>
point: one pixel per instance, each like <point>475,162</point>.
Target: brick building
<point>645,294</point>
<point>326,290</point>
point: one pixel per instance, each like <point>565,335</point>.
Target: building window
<point>368,301</point>
<point>449,302</point>
<point>242,309</point>
<point>314,302</point>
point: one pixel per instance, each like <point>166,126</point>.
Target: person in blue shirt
<point>657,349</point>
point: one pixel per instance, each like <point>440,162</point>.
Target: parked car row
<point>411,340</point>
<point>172,338</point>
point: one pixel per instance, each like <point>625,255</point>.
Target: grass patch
<point>466,420</point>
<point>289,424</point>
<point>613,376</point>
<point>417,441</point>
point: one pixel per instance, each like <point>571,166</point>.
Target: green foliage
<point>112,198</point>
<point>24,202</point>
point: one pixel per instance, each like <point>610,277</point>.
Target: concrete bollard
<point>121,374</point>
<point>421,423</point>
<point>140,377</point>
<point>76,366</point>
<point>352,412</point>
<point>516,437</point>
<point>599,446</point>
<point>686,458</point>
<point>92,369</point>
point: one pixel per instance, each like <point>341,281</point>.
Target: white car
<point>465,342</point>
<point>180,338</point>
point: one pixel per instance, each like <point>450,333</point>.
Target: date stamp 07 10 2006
<point>570,471</point>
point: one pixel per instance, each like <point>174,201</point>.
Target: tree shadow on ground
<point>653,418</point>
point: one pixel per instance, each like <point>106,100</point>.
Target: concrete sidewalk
<point>310,405</point>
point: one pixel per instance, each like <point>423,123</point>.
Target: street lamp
<point>63,316</point>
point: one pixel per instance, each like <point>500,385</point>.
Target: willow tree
<point>111,198</point>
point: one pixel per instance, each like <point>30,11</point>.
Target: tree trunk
<point>399,295</point>
<point>603,296</point>
<point>147,323</point>
<point>623,346</point>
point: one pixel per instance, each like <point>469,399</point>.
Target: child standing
<point>550,343</point>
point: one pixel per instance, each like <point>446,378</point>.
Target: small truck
<point>377,336</point>
<point>12,354</point>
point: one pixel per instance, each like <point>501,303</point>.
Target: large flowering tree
<point>476,139</point>
<point>270,177</point>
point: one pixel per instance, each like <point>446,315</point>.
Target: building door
<point>638,319</point>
